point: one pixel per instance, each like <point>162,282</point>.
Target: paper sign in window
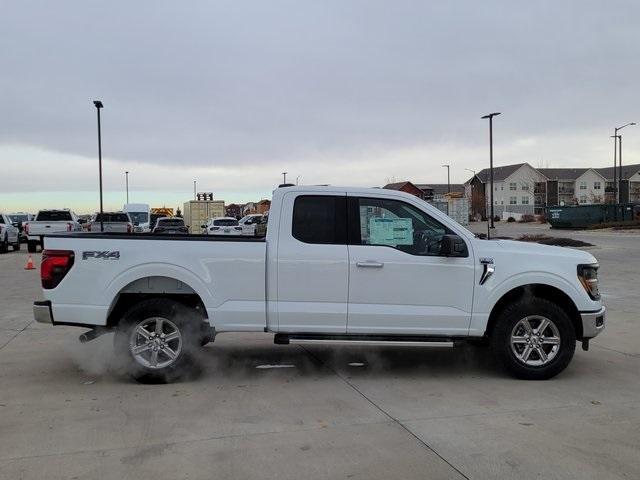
<point>390,231</point>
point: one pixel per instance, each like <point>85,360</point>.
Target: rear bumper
<point>593,323</point>
<point>42,312</point>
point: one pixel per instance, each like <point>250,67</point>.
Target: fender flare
<point>168,270</point>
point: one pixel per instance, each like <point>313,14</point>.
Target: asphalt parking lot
<point>259,410</point>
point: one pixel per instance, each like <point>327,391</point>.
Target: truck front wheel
<point>534,339</point>
<point>157,340</point>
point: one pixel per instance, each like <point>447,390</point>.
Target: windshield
<point>19,218</point>
<point>139,217</point>
<point>225,222</point>
<point>54,216</point>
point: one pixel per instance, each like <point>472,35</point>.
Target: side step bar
<point>384,340</point>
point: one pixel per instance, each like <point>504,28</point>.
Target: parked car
<point>170,225</point>
<point>261,226</point>
<point>21,218</point>
<point>222,226</point>
<point>110,222</point>
<point>9,234</point>
<point>341,265</point>
<point>249,222</point>
<point>48,222</point>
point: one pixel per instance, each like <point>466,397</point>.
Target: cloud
<point>236,92</point>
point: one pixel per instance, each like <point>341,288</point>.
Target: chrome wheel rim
<point>535,340</point>
<point>155,343</point>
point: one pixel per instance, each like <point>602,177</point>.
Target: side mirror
<point>203,226</point>
<point>453,246</point>
<point>17,224</point>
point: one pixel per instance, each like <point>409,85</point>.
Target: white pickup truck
<point>48,222</point>
<point>341,265</point>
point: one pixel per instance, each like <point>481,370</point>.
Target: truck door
<point>312,264</point>
<point>399,283</point>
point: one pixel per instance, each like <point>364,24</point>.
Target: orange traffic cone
<point>29,265</point>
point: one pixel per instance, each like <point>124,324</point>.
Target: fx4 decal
<point>106,255</point>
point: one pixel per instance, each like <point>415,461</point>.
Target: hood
<point>534,249</point>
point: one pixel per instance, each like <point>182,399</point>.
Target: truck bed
<point>226,273</point>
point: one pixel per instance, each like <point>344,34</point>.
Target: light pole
<point>471,170</point>
<point>98,105</point>
<point>490,117</point>
<point>619,139</point>
<point>448,178</point>
<point>126,176</point>
<point>284,177</point>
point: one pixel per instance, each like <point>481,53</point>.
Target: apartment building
<point>522,189</point>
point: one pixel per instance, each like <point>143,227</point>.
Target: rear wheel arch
<point>151,287</point>
<point>538,290</point>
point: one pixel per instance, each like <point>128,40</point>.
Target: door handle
<point>370,264</point>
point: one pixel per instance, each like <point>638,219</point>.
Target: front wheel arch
<point>536,290</point>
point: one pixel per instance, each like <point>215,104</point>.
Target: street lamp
<point>471,170</point>
<point>490,117</point>
<point>448,178</point>
<point>618,138</point>
<point>284,177</point>
<point>126,176</point>
<point>99,106</point>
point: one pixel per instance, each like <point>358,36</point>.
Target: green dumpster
<point>583,216</point>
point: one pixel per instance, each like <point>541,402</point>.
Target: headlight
<point>588,276</point>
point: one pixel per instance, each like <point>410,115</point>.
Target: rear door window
<point>320,219</point>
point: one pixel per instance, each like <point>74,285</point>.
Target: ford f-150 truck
<point>48,222</point>
<point>341,265</point>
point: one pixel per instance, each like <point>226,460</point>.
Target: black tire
<point>4,245</point>
<point>185,319</point>
<point>534,308</point>
<point>32,247</point>
<point>16,246</point>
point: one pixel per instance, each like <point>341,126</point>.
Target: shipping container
<point>197,212</point>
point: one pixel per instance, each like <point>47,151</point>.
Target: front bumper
<point>593,323</point>
<point>42,312</point>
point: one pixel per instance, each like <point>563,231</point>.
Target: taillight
<point>129,228</point>
<point>69,227</point>
<point>54,266</point>
<point>26,228</point>
<point>89,227</point>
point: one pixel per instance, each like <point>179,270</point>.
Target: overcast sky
<point>342,92</point>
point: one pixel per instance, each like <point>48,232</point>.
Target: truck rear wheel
<point>157,340</point>
<point>533,339</point>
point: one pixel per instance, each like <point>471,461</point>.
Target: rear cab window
<point>113,218</point>
<point>54,216</point>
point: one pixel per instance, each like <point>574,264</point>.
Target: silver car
<point>111,222</point>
